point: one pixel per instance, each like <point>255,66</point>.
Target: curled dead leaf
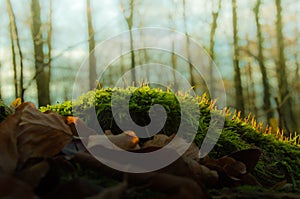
<point>8,143</point>
<point>158,140</point>
<point>34,174</point>
<point>13,188</point>
<point>202,173</point>
<point>40,134</point>
<point>76,124</point>
<point>175,186</point>
<point>249,157</point>
<point>126,141</point>
<point>115,192</point>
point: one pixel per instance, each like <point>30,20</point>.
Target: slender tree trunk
<point>92,58</point>
<point>49,44</point>
<point>261,60</point>
<point>129,22</point>
<point>173,61</point>
<point>192,80</point>
<point>19,90</point>
<point>0,85</point>
<point>12,38</point>
<point>284,93</point>
<point>237,73</point>
<point>213,29</point>
<point>251,94</point>
<point>41,74</point>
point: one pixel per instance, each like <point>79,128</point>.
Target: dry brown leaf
<point>175,186</point>
<point>89,162</point>
<point>126,141</point>
<point>40,134</point>
<point>76,124</point>
<point>74,189</point>
<point>158,140</point>
<point>178,143</point>
<point>115,192</point>
<point>8,143</point>
<point>202,173</point>
<point>249,157</point>
<point>34,174</point>
<point>13,188</point>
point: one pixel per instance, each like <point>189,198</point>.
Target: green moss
<point>280,159</point>
<point>4,111</point>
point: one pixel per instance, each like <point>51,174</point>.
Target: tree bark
<point>129,22</point>
<point>215,15</point>
<point>14,36</point>
<point>49,43</point>
<point>261,60</point>
<point>284,93</point>
<point>192,80</point>
<point>237,73</point>
<point>42,78</point>
<point>92,58</point>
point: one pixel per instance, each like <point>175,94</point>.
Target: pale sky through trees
<point>70,46</point>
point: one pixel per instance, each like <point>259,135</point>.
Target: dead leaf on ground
<point>176,187</point>
<point>12,188</point>
<point>115,192</point>
<point>8,143</point>
<point>40,134</point>
<point>126,141</point>
<point>34,174</point>
<point>74,189</point>
<point>158,140</point>
<point>249,157</point>
<point>77,125</point>
<point>177,143</point>
<point>201,173</point>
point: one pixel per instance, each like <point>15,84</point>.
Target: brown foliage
<point>37,148</point>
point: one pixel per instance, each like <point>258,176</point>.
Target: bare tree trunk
<point>192,80</point>
<point>19,90</point>
<point>237,73</point>
<point>261,60</point>
<point>0,85</point>
<point>12,31</point>
<point>251,94</point>
<point>42,78</point>
<point>173,61</point>
<point>284,93</point>
<point>91,35</point>
<point>129,22</point>
<point>173,55</point>
<point>49,43</point>
<point>213,29</point>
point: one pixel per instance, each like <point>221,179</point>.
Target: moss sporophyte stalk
<point>280,158</point>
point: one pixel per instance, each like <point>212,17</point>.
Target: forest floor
<point>44,156</point>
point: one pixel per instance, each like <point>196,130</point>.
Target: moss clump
<point>280,159</point>
<point>4,111</point>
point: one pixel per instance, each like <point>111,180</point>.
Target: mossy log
<point>280,158</point>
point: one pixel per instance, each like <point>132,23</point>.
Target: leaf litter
<point>41,158</point>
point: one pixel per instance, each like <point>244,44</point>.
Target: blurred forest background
<point>255,45</point>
